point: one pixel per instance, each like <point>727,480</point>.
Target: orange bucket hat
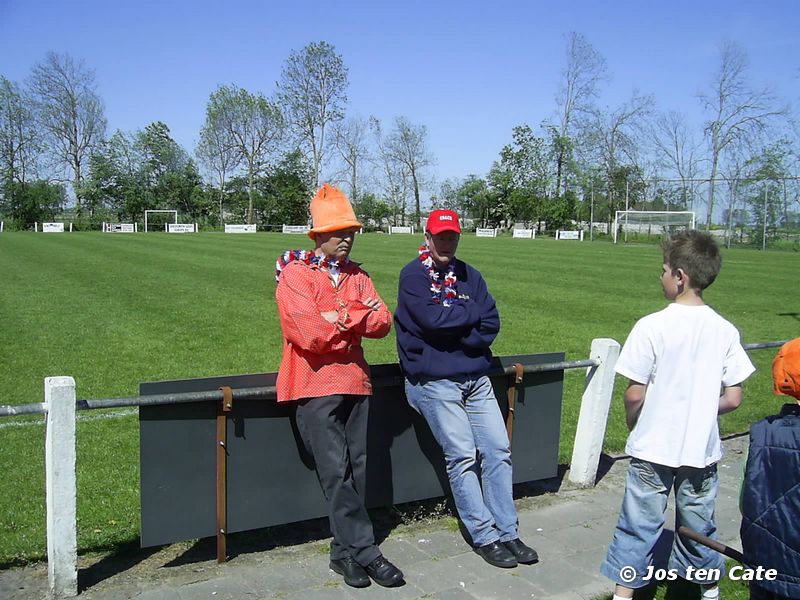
<point>331,211</point>
<point>786,369</point>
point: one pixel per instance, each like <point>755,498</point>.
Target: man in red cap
<point>445,322</point>
<point>326,304</point>
<point>770,529</point>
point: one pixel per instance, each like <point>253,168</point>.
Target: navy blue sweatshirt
<point>439,342</point>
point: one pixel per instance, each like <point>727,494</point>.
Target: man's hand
<point>372,303</point>
<point>331,316</point>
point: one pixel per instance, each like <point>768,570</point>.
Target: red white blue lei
<point>448,281</point>
<point>308,257</point>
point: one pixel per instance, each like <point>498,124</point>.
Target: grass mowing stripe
<point>113,311</point>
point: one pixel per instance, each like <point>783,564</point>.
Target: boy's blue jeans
<point>464,417</point>
<point>641,521</point>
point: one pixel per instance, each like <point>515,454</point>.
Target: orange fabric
<point>318,359</point>
<point>786,369</point>
<point>331,211</point>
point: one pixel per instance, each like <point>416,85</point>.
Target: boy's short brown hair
<point>697,254</point>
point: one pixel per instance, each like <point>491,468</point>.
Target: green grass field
<point>115,310</point>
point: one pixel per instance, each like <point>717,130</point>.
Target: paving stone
<point>451,572</point>
<point>450,594</point>
<point>405,551</point>
<point>504,586</point>
<point>327,592</point>
<point>590,534</point>
<point>159,594</point>
<point>223,588</point>
<point>439,544</point>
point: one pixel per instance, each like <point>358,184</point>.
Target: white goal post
<point>652,222</point>
<point>148,212</point>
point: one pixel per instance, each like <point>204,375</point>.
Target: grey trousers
<point>334,431</point>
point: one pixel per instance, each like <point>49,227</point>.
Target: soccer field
<point>115,310</point>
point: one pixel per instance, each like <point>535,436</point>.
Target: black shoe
<point>353,573</point>
<point>497,554</point>
<point>383,572</point>
<point>525,554</point>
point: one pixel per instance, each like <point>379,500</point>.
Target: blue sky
<point>469,71</point>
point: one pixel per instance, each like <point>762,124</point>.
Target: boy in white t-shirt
<point>686,365</point>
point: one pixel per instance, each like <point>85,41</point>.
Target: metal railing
<point>265,392</point>
<point>60,408</point>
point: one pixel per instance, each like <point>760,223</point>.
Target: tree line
<point>260,157</point>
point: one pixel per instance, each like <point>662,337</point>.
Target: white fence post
<point>594,413</point>
<point>62,544</point>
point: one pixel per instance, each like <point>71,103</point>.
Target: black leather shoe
<point>353,573</point>
<point>497,554</point>
<point>525,554</point>
<point>383,572</point>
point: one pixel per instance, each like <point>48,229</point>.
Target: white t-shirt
<point>684,355</point>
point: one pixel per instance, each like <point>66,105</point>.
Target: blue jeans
<point>464,418</point>
<point>641,521</point>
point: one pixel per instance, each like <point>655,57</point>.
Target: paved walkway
<point>569,527</point>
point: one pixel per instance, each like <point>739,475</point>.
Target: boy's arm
<point>634,399</point>
<point>730,399</point>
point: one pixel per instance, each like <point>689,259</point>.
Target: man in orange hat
<point>326,304</point>
<point>770,529</point>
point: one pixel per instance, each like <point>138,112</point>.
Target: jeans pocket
<point>702,482</point>
<point>647,474</point>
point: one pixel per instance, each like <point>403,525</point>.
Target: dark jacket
<point>439,342</point>
<point>771,500</point>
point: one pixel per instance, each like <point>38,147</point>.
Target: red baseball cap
<point>442,220</point>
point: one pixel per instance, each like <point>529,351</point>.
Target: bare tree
<point>677,151</point>
<point>736,111</point>
<point>408,145</point>
<point>71,112</point>
<point>20,142</point>
<point>352,142</point>
<point>254,125</point>
<point>218,152</point>
<point>584,70</point>
<point>617,137</point>
<point>394,174</point>
<point>313,91</point>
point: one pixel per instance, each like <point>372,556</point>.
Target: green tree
<point>372,211</point>
<point>313,92</point>
<point>218,152</point>
<point>766,191</point>
<point>288,190</point>
<point>27,203</point>
<point>526,184</point>
<point>254,124</point>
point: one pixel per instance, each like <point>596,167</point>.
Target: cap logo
<point>445,218</point>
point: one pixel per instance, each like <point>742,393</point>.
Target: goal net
<point>156,220</point>
<point>646,224</point>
